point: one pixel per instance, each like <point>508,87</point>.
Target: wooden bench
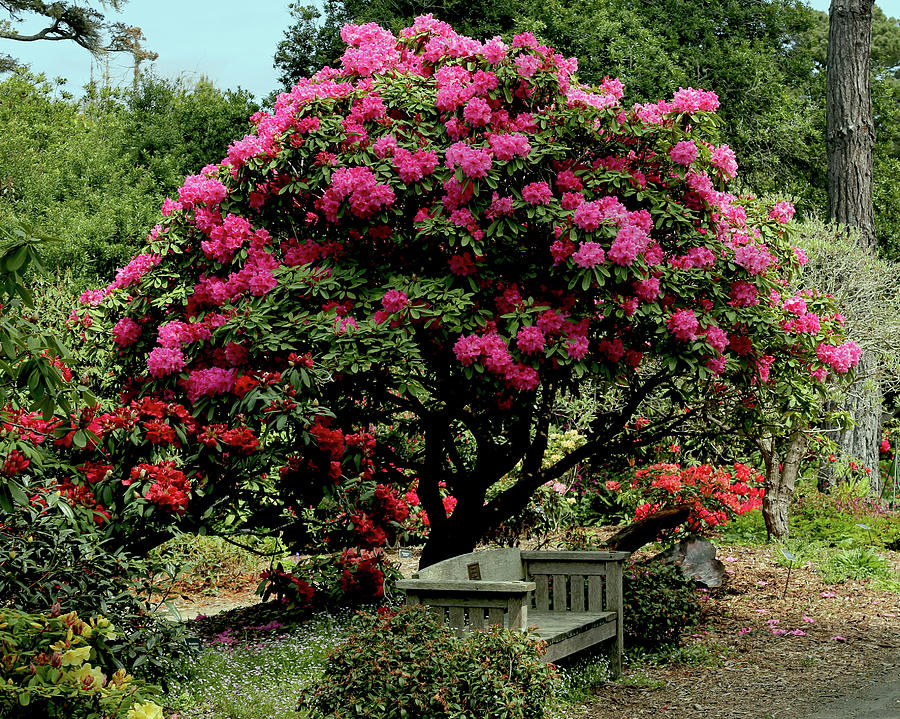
<point>573,600</point>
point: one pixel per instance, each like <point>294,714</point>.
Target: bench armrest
<point>472,603</point>
<point>467,586</point>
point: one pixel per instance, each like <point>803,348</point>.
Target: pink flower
<point>782,212</point>
<point>841,357</point>
<point>684,152</point>
<point>588,216</point>
<point>126,332</point>
<point>744,294</point>
<point>500,206</point>
<point>92,298</point>
<point>209,382</point>
<point>691,100</point>
<point>828,595</point>
<point>494,50</point>
<point>394,300</point>
<point>509,145</point>
<point>577,347</point>
<point>722,158</point>
<point>537,193</point>
<point>527,65</point>
<point>716,338</point>
<point>753,258</point>
<point>164,361</point>
<point>590,254</point>
<point>745,630</point>
<point>629,243</point>
<point>683,324</point>
<point>530,339</point>
<point>647,290</point>
<point>467,349</point>
<point>798,633</point>
<point>474,162</point>
<point>838,638</point>
<point>810,620</point>
<point>477,112</point>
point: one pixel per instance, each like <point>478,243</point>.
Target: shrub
<point>54,558</point>
<point>328,581</point>
<point>408,664</point>
<point>715,494</point>
<point>54,665</point>
<point>423,239</point>
<point>659,604</point>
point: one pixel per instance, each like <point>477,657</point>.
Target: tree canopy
<point>395,275</point>
<point>77,22</point>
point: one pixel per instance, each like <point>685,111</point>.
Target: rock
<point>697,558</point>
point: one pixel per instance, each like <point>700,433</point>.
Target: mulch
<point>852,641</point>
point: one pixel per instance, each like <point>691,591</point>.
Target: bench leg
<point>615,660</point>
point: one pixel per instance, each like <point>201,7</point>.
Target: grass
<point>211,562</point>
<point>231,679</point>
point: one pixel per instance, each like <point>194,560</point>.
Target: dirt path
<point>880,700</point>
<point>823,648</point>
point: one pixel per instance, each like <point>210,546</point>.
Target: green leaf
<point>15,263</point>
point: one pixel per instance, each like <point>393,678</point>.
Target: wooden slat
<point>495,617</point>
<point>476,618</point>
<point>595,594</point>
<point>451,601</point>
<point>542,566</point>
<point>577,589</point>
<point>582,556</point>
<point>560,603</point>
<point>467,586</point>
<point>437,612</point>
<point>541,593</point>
<point>458,619</point>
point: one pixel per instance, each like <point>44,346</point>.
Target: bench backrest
<point>575,581</point>
<point>491,565</point>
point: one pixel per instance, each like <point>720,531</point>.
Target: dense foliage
<point>92,174</point>
<point>408,663</point>
<point>57,665</point>
<point>659,602</point>
<point>764,58</point>
<point>442,213</point>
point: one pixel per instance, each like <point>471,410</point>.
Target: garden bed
<point>721,670</point>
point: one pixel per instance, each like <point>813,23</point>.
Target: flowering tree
<point>440,237</point>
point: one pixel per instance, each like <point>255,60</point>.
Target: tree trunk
<point>850,141</point>
<point>860,442</point>
<point>850,132</point>
<point>449,539</point>
<point>781,477</point>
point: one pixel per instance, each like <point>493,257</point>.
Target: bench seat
<point>569,632</point>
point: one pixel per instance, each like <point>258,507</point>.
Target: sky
<point>232,42</point>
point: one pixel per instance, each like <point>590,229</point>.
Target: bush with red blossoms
<point>715,494</point>
<point>444,235</point>
<point>350,577</point>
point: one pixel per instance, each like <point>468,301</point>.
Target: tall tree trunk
<point>781,478</point>
<point>850,141</point>
<point>850,132</point>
